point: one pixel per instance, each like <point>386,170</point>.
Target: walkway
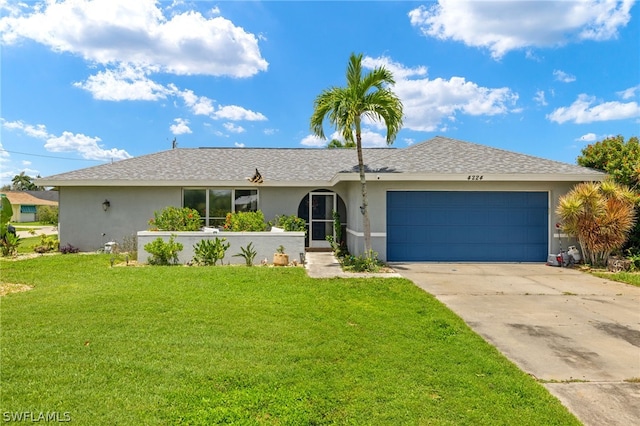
<point>325,265</point>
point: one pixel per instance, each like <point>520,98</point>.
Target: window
<point>219,205</point>
<point>214,204</point>
<point>245,200</point>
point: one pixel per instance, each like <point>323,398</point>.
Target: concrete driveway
<point>577,334</point>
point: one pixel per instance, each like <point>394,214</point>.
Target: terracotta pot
<point>280,259</point>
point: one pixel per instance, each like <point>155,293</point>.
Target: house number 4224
<point>475,177</point>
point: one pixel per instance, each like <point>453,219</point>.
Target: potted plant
<point>280,258</point>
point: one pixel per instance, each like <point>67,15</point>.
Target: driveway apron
<point>577,334</point>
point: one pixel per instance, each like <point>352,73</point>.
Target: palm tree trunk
<point>366,224</point>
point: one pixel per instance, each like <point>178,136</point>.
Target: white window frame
<point>208,220</point>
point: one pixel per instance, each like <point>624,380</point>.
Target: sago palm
<point>366,95</point>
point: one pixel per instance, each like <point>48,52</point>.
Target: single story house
<point>439,200</point>
<point>25,203</point>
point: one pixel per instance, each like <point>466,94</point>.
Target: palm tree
<point>365,95</point>
<point>600,215</point>
<point>335,143</point>
<point>23,182</point>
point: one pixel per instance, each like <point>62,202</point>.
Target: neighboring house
<point>25,203</point>
<point>440,200</point>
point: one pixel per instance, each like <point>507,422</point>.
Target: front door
<point>321,208</point>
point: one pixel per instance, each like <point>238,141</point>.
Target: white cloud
<point>371,139</point>
<point>313,141</point>
<point>124,83</point>
<point>6,175</point>
<point>199,105</point>
<point>539,98</point>
<point>30,172</point>
<point>4,155</point>
<point>587,137</point>
<point>138,33</point>
<point>502,26</point>
<point>238,145</point>
<point>428,102</point>
<point>233,128</point>
<point>26,163</point>
<point>563,76</point>
<point>39,131</point>
<point>586,110</point>
<point>12,9</point>
<point>237,113</point>
<point>180,127</point>
<point>7,171</point>
<point>399,71</point>
<point>629,93</point>
<point>270,131</point>
<point>86,146</point>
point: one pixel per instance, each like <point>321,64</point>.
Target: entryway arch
<point>317,208</point>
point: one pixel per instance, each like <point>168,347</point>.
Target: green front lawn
<point>214,345</point>
<point>27,245</point>
<point>632,278</point>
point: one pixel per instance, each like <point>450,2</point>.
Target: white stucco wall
<point>82,220</point>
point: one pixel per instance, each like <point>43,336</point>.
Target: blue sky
<point>88,82</point>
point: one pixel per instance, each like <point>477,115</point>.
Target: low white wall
<point>264,243</point>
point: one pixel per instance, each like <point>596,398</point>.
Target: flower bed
<point>265,244</point>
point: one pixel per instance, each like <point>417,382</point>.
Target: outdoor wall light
<point>105,205</point>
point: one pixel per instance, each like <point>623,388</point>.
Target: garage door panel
<point>467,226</point>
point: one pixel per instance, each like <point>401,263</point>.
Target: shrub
<point>362,263</point>
<point>48,214</point>
<point>634,257</point>
<point>68,248</point>
<point>8,240</point>
<point>175,219</point>
<point>47,243</point>
<point>208,252</point>
<point>600,215</point>
<point>248,253</point>
<point>245,222</point>
<point>290,223</point>
<point>9,244</point>
<point>163,253</point>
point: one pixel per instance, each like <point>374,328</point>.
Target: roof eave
<point>178,183</point>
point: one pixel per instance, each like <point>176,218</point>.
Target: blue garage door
<point>452,226</point>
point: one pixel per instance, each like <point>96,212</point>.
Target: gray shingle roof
<point>436,156</point>
<point>445,155</point>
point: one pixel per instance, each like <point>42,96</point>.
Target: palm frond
<point>600,214</point>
